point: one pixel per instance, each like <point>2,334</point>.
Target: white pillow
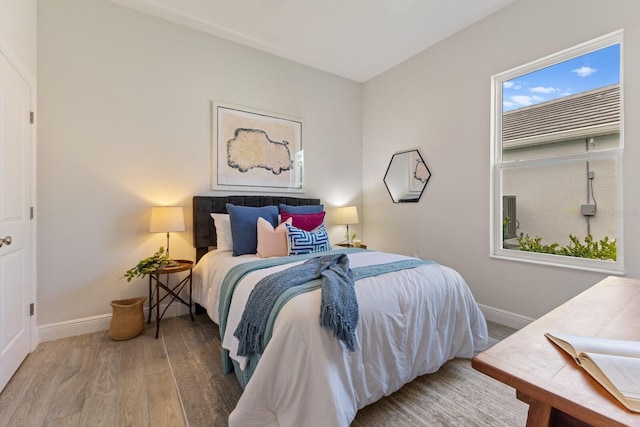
<point>223,231</point>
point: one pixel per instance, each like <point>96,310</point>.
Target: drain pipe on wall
<point>589,209</point>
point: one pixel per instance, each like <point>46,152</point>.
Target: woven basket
<point>127,320</point>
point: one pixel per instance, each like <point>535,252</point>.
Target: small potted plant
<point>127,320</point>
<point>155,262</point>
<point>350,235</point>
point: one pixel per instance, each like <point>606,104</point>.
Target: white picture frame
<point>255,150</point>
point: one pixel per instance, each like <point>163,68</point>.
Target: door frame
<point>8,53</point>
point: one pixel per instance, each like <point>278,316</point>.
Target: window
<point>556,161</point>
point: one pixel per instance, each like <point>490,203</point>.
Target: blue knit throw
<point>338,310</point>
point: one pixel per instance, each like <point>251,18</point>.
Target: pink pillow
<point>272,241</point>
<point>306,222</point>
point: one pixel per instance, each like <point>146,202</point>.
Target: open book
<point>615,364</point>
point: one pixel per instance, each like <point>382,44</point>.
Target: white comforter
<point>411,322</point>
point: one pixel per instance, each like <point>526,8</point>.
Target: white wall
<point>124,125</point>
<point>18,34</point>
<point>439,101</point>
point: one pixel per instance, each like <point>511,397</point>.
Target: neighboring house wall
<point>563,148</point>
<point>124,105</point>
<point>440,102</point>
<point>549,198</point>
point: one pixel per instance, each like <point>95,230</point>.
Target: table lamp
<point>165,219</point>
<point>347,215</point>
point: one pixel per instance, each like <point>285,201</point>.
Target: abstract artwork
<point>254,150</point>
<point>419,173</point>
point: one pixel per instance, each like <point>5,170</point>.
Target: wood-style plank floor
<point>91,380</point>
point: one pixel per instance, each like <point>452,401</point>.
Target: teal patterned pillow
<point>306,242</point>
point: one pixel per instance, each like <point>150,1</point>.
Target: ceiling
<point>356,39</point>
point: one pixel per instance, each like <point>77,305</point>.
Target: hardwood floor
<point>498,332</point>
<point>91,380</point>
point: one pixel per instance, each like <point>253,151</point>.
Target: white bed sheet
<point>411,322</point>
<point>208,275</point>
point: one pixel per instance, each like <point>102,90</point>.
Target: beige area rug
<point>456,395</point>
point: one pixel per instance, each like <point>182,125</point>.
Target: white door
<point>15,235</point>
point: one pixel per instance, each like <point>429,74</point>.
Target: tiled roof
<point>595,107</point>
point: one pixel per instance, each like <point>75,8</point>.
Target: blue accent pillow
<point>244,226</point>
<point>306,242</point>
<point>306,209</point>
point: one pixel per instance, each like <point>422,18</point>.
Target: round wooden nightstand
<point>346,245</point>
<point>173,292</point>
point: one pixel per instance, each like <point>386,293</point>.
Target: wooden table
<point>557,390</point>
<point>346,245</point>
<point>170,291</point>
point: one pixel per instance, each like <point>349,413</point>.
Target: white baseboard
<point>505,318</point>
<point>86,325</point>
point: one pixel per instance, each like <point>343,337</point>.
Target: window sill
<point>607,267</point>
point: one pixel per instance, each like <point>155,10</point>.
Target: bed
<point>413,316</point>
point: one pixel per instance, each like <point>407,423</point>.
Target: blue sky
<point>586,72</point>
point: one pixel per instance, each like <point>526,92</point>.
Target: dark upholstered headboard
<point>204,232</point>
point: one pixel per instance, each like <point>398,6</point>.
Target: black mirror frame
<point>407,199</point>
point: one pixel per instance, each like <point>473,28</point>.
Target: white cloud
<point>511,85</point>
<point>522,100</point>
<point>509,104</point>
<point>542,89</point>
<point>584,71</point>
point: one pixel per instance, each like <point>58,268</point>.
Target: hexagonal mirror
<point>406,176</point>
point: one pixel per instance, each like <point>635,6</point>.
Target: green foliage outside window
<point>505,223</point>
<point>604,249</point>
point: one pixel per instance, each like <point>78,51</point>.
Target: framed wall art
<point>255,150</point>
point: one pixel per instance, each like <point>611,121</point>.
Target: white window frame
<point>498,165</point>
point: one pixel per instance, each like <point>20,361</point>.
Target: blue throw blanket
<point>339,307</point>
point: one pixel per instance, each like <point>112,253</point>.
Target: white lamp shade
<point>347,215</point>
<point>166,218</point>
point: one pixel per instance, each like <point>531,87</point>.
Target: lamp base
<point>349,236</point>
